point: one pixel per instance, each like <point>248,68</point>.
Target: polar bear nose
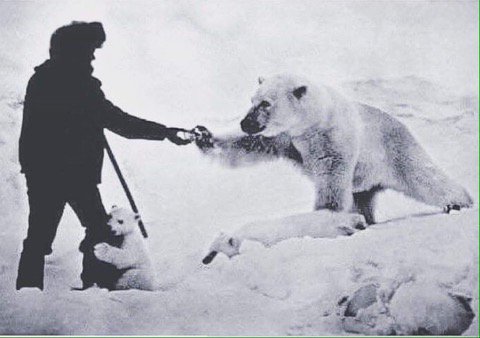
<point>250,125</point>
<point>209,258</point>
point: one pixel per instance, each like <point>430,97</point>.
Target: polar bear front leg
<point>115,256</point>
<point>335,195</point>
<point>243,150</point>
<point>334,186</point>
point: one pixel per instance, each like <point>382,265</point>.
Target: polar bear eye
<point>120,221</point>
<point>264,104</point>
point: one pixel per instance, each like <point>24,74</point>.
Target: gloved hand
<point>179,136</point>
<point>203,137</point>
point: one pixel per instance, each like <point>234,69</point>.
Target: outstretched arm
<point>130,126</point>
<point>246,149</point>
<point>126,125</point>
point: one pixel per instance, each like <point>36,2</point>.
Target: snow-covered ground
<point>291,288</point>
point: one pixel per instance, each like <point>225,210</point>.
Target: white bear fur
<point>132,255</point>
<point>324,224</point>
<point>346,148</point>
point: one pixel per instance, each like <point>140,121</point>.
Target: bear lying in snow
<point>411,308</point>
<point>131,257</point>
<point>327,224</point>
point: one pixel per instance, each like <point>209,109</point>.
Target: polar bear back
<point>385,143</point>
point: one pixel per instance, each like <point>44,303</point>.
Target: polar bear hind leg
<point>422,180</point>
<point>364,203</point>
<point>429,185</point>
<point>135,279</point>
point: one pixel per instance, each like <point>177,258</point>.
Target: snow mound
<point>411,308</point>
<point>413,96</point>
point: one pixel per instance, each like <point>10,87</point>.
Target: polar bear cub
<point>326,224</point>
<point>131,258</point>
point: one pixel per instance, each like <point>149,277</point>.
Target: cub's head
<point>229,245</point>
<point>278,106</point>
<point>122,221</point>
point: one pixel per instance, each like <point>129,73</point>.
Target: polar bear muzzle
<point>255,121</point>
<point>209,258</point>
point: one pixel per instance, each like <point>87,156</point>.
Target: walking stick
<point>125,187</point>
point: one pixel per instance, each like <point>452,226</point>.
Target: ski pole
<point>125,187</point>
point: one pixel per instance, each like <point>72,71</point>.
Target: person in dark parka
<point>62,146</point>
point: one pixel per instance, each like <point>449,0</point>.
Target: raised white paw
<point>102,251</point>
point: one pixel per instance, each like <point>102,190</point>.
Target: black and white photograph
<point>239,168</point>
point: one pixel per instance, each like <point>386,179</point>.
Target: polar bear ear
<point>261,79</point>
<point>299,92</point>
<point>232,241</point>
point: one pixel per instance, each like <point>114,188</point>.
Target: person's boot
<point>98,273</point>
<point>88,264</point>
<point>30,271</point>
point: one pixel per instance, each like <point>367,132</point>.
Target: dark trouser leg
<point>87,204</point>
<point>46,208</point>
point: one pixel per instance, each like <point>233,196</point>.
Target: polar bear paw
<point>203,137</point>
<point>103,252</point>
<point>358,222</point>
<point>452,209</point>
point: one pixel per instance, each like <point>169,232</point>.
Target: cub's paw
<point>345,231</point>
<point>102,252</point>
<point>203,137</point>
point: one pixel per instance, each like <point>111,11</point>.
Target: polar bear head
<point>122,221</point>
<point>229,245</point>
<point>281,104</point>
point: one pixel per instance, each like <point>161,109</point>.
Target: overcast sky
<point>215,50</point>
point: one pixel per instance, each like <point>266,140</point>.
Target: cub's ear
<point>299,92</point>
<point>261,79</point>
<point>232,241</point>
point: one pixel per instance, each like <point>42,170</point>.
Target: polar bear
<point>416,307</point>
<point>131,257</point>
<point>351,151</point>
<point>270,232</point>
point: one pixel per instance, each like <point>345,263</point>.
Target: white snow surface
<point>291,288</point>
